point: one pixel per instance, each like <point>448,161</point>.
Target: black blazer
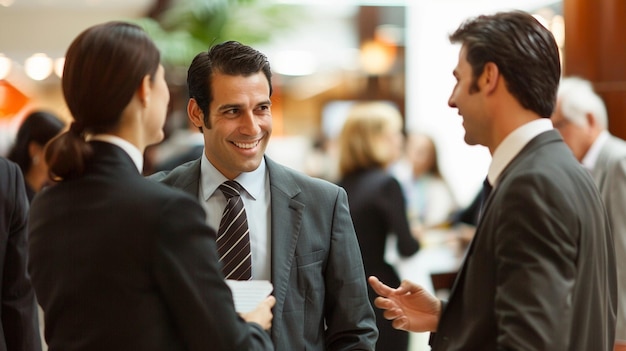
<point>19,326</point>
<point>122,263</point>
<point>378,209</point>
<point>540,272</point>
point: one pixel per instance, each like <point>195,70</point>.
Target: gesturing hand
<point>409,306</point>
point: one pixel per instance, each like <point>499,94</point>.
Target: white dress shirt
<point>512,145</point>
<point>256,200</point>
<point>591,157</point>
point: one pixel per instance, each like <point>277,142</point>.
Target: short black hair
<point>230,58</point>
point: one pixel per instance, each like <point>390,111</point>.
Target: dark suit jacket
<point>540,272</point>
<point>19,324</point>
<point>317,271</point>
<point>122,263</point>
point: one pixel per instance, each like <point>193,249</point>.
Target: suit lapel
<point>189,178</point>
<point>285,228</point>
<point>527,151</point>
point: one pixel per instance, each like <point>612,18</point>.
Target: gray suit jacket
<point>609,174</point>
<point>317,270</point>
<point>540,271</point>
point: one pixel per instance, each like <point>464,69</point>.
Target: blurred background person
<point>19,326</point>
<point>429,198</point>
<point>28,150</point>
<point>119,262</point>
<point>370,141</point>
<point>581,118</point>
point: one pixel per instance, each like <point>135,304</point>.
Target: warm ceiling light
<point>38,66</point>
<point>5,66</point>
<point>377,57</point>
<point>6,3</point>
<point>58,66</point>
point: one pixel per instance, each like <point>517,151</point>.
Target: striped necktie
<point>233,237</point>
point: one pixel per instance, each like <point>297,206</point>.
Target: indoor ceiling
<point>28,26</point>
<point>76,4</point>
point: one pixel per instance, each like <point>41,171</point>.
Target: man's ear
<point>591,122</point>
<point>490,77</point>
<point>195,114</point>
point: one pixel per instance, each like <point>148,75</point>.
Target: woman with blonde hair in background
<point>370,141</point>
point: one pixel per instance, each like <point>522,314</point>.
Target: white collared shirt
<point>256,200</point>
<point>513,144</point>
<point>132,151</point>
<point>591,157</point>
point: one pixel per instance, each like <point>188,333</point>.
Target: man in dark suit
<point>539,273</point>
<point>301,232</point>
<point>19,322</point>
<point>581,118</point>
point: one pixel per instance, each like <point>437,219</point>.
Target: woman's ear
<point>34,152</point>
<point>145,89</point>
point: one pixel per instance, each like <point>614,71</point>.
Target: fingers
<point>407,286</point>
<point>384,303</point>
<point>393,313</point>
<point>270,301</point>
<point>262,315</point>
<point>401,323</point>
<point>380,288</point>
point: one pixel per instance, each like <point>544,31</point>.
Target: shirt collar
<point>591,157</point>
<point>252,182</point>
<point>513,144</point>
<point>132,151</point>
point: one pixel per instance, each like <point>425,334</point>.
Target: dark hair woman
<point>119,262</point>
<point>28,150</point>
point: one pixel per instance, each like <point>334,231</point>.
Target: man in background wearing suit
<point>581,117</point>
<point>539,273</point>
<point>19,327</point>
<point>301,232</point>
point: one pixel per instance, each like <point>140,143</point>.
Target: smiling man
<point>539,273</point>
<point>300,231</point>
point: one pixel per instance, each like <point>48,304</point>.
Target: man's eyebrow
<point>228,107</point>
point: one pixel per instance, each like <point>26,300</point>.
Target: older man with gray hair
<point>581,117</point>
